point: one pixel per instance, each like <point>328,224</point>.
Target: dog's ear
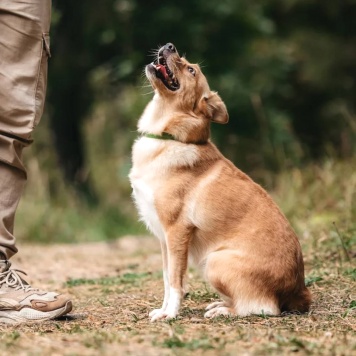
<point>213,108</point>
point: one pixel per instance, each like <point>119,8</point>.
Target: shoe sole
<point>28,315</point>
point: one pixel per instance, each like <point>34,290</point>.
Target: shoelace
<point>13,280</point>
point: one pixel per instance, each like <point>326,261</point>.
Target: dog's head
<point>184,86</point>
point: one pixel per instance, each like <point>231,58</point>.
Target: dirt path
<point>115,284</point>
<point>46,265</point>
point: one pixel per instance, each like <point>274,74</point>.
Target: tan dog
<point>200,205</point>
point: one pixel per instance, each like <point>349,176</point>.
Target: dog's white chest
<point>143,177</point>
<point>143,195</point>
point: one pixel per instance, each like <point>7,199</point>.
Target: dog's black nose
<point>168,47</point>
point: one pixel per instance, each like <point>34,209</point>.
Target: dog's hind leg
<point>241,287</point>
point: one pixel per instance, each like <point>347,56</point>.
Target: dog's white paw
<point>215,305</point>
<point>225,311</point>
<point>155,311</point>
<point>161,314</point>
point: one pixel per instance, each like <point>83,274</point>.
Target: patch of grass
<point>127,278</point>
<point>99,340</point>
<point>173,342</point>
<point>203,296</point>
<point>353,304</point>
<point>350,272</point>
<point>179,339</point>
<point>310,280</point>
<point>11,338</point>
<point>194,344</point>
<point>351,308</point>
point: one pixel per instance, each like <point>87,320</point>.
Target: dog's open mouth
<point>165,74</point>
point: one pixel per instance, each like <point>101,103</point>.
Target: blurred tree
<point>286,70</point>
<point>83,34</point>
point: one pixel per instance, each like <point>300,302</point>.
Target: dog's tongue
<point>162,69</point>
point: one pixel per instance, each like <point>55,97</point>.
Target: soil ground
<point>115,284</point>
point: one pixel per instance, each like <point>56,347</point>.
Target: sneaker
<point>20,303</point>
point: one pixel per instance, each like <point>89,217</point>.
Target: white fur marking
<point>166,289</point>
<point>217,312</point>
<point>256,307</point>
<point>144,199</point>
<point>175,296</point>
<point>171,311</point>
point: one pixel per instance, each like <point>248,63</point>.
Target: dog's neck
<point>159,117</point>
<point>155,117</point>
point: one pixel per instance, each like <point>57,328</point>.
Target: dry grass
<point>114,286</point>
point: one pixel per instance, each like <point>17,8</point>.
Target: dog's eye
<point>191,70</point>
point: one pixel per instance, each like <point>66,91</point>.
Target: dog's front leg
<point>155,312</point>
<point>177,260</point>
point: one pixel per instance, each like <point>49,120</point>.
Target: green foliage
<point>284,68</point>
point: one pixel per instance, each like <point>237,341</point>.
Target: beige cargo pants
<point>24,50</point>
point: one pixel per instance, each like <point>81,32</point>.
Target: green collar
<point>167,136</point>
<point>164,136</point>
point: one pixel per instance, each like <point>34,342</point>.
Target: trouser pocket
<point>41,85</point>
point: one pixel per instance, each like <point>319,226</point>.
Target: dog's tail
<point>298,302</point>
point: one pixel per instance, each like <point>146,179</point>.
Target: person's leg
<point>12,181</point>
<point>24,50</point>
